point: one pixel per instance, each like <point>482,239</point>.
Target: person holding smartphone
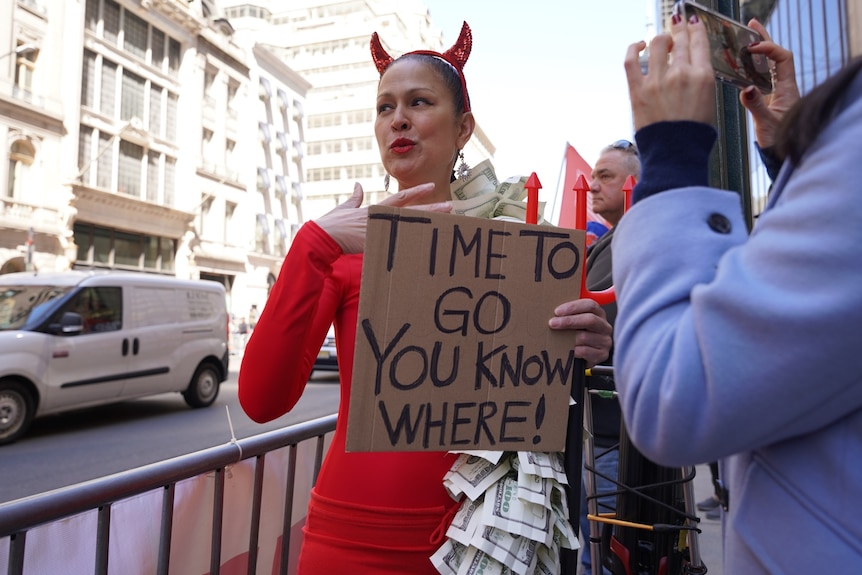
<point>738,348</point>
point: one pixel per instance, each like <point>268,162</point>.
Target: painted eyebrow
<point>411,93</point>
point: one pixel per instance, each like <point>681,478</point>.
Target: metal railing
<point>18,517</point>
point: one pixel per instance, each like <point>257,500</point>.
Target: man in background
<point>616,163</point>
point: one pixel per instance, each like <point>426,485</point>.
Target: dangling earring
<point>386,179</point>
<point>463,168</point>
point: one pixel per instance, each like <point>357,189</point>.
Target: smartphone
<point>728,42</point>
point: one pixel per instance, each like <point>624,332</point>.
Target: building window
<point>229,159</point>
<point>209,82</point>
<point>22,154</point>
<point>108,92</point>
<point>261,234</point>
<point>359,144</point>
<point>91,16</point>
<point>263,181</point>
<point>130,166</point>
<point>135,34</point>
<point>105,161</point>
<point>128,249</point>
<point>155,127</point>
<point>281,138</point>
<point>283,100</point>
<point>232,92</point>
<point>206,150</point>
<point>85,142</point>
<point>265,91</point>
<point>206,208</point>
<point>157,49</point>
<point>170,180</point>
<point>281,238</point>
<point>132,97</point>
<point>109,248</point>
<point>173,57</point>
<point>265,134</point>
<point>280,185</point>
<point>171,132</point>
<point>111,21</point>
<point>153,179</point>
<point>25,69</point>
<point>229,209</point>
<point>88,80</point>
<point>360,117</point>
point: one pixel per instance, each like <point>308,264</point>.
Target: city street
<point>74,447</point>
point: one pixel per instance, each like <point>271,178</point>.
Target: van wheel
<point>16,411</point>
<point>203,389</point>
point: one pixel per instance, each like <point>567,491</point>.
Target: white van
<point>79,339</point>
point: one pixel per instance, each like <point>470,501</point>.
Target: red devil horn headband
<point>456,56</point>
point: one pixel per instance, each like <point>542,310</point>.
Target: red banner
<point>575,165</point>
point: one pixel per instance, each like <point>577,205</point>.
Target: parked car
<point>80,339</point>
<point>327,357</point>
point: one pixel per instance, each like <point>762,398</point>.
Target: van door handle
<point>135,347</point>
<point>125,347</point>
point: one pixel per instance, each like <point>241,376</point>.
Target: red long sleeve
<point>318,286</point>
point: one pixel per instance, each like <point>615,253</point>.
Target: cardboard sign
<point>453,348</point>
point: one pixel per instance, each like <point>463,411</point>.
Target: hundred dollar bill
<point>466,522</point>
<point>492,456</point>
<point>504,510</point>
<point>476,562</point>
<point>534,488</point>
<point>481,195</point>
<point>482,180</point>
<point>448,557</point>
<point>515,552</point>
<point>543,464</point>
<point>472,475</point>
<point>543,568</point>
<point>568,538</point>
<point>559,499</point>
<point>549,555</point>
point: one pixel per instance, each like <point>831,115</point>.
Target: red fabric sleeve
<point>280,353</point>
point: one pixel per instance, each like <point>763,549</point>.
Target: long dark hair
<point>803,123</point>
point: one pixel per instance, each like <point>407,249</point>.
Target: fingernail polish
<point>675,19</point>
<point>749,93</point>
<point>693,19</point>
<point>753,44</point>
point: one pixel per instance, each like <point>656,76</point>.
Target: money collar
<point>482,195</point>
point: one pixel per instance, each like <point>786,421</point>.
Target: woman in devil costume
<point>376,513</point>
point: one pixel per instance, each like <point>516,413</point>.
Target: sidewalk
<point>710,537</point>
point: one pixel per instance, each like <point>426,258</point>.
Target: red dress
<point>370,513</point>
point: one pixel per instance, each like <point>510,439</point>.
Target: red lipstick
<point>402,145</point>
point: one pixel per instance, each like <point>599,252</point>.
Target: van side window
<point>101,308</point>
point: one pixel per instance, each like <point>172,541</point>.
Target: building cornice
<point>127,213</point>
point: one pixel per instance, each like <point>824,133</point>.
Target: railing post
<point>218,518</point>
<point>17,541</point>
<point>254,532</point>
<point>288,511</point>
<point>166,530</point>
<point>103,539</point>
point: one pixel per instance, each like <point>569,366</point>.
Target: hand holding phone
<point>732,62</point>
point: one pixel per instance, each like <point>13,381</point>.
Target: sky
<point>546,72</point>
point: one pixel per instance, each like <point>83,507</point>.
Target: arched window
<point>22,154</point>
